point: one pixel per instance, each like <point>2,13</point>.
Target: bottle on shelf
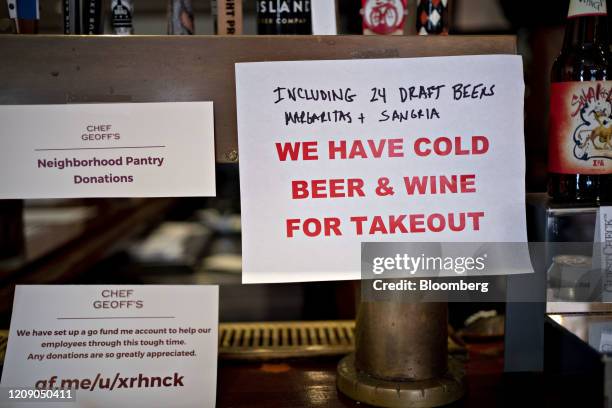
<point>384,17</point>
<point>580,127</point>
<point>227,16</point>
<point>25,15</point>
<point>82,17</point>
<point>121,17</point>
<point>180,17</point>
<point>432,17</point>
<point>284,17</point>
<point>70,9</point>
<point>92,17</point>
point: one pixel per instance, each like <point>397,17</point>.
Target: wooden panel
<point>79,252</point>
<point>71,69</point>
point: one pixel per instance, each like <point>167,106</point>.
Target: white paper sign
<point>116,346</point>
<point>602,250</point>
<point>333,153</point>
<point>107,150</point>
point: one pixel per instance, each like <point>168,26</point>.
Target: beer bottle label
<point>580,8</point>
<point>283,16</point>
<point>580,131</point>
<point>432,17</point>
<point>121,16</point>
<point>385,17</point>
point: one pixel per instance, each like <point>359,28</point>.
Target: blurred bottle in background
<point>25,15</point>
<point>432,17</point>
<point>383,17</point>
<point>180,17</point>
<point>227,16</point>
<point>283,17</point>
<point>121,17</point>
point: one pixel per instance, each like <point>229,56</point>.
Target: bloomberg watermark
<point>486,272</point>
<point>434,271</point>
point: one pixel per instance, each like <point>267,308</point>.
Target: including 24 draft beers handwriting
<point>98,133</point>
<point>406,94</point>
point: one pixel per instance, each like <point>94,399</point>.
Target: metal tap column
<point>401,357</point>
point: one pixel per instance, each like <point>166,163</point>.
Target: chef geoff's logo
<point>593,134</point>
<point>383,16</point>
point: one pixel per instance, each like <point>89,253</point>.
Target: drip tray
<point>273,340</point>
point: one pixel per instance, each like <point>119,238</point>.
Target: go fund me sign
<point>335,153</point>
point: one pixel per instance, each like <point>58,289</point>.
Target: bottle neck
<point>587,25</point>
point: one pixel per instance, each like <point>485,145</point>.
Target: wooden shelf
<point>85,69</point>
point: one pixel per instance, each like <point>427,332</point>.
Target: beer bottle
<point>121,17</point>
<point>432,17</point>
<point>384,17</point>
<point>580,144</point>
<point>180,17</point>
<point>283,17</point>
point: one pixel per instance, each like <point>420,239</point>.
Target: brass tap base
<point>434,392</point>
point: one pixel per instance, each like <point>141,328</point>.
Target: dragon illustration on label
<point>581,128</point>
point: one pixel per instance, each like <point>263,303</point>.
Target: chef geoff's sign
<point>333,153</point>
<point>107,150</point>
<point>125,346</point>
